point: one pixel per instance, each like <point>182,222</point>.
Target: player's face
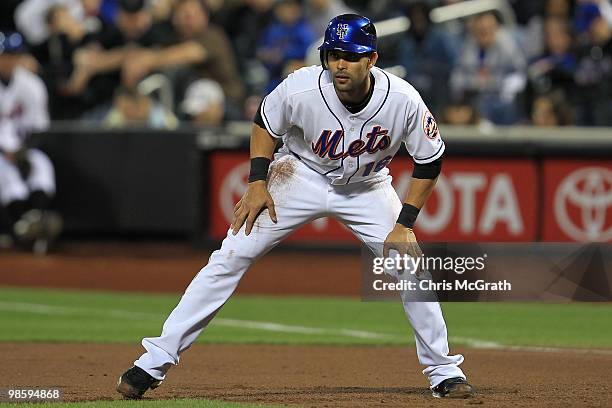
<point>8,62</point>
<point>349,70</point>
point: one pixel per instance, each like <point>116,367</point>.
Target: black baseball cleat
<point>456,387</point>
<point>135,382</point>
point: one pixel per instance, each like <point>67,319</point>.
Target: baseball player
<point>27,177</point>
<point>341,124</point>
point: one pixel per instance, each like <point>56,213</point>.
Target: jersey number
<point>379,166</point>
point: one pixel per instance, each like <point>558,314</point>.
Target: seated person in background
<point>30,17</point>
<point>428,53</point>
<point>204,103</point>
<point>191,48</point>
<point>460,114</point>
<point>27,176</point>
<point>463,113</point>
<point>118,56</point>
<point>554,68</point>
<point>162,10</point>
<point>491,66</point>
<point>132,109</point>
<point>206,50</point>
<point>551,109</point>
<point>532,35</point>
<point>286,39</point>
<point>593,76</point>
<point>66,35</point>
<point>244,22</point>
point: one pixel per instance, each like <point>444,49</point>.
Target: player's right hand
<point>252,203</point>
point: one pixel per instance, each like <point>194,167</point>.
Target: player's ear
<point>372,60</point>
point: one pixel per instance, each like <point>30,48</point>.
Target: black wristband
<point>427,171</point>
<point>259,169</point>
<point>408,215</point>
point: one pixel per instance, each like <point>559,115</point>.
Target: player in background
<point>341,124</point>
<point>27,177</point>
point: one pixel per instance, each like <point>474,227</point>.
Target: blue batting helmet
<point>349,33</point>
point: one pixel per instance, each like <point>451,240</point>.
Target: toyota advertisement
<point>577,201</point>
<point>501,200</point>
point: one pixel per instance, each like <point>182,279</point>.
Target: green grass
<point>178,403</point>
<point>79,316</point>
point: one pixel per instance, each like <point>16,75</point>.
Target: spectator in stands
<point>319,12</point>
<point>605,9</point>
<point>556,66</point>
<point>204,103</point>
<point>533,35</point>
<point>66,35</point>
<point>27,177</point>
<point>551,109</point>
<point>108,10</point>
<point>287,39</point>
<point>162,10</point>
<point>427,53</point>
<point>195,49</point>
<point>491,67</point>
<point>121,55</point>
<point>585,12</point>
<point>205,48</point>
<point>132,109</point>
<point>462,112</point>
<point>594,76</point>
<point>30,17</point>
<point>245,23</point>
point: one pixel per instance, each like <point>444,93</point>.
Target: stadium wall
<point>507,185</point>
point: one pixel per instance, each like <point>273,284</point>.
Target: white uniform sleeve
<point>37,113</point>
<point>423,139</point>
<point>276,110</point>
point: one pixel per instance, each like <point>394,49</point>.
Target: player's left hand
<point>403,240</point>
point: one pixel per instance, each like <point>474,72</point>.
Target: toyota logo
<point>582,202</point>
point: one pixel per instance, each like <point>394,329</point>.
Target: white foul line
<point>38,308</point>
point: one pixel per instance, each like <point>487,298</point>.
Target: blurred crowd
<point>163,62</point>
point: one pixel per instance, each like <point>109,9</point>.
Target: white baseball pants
<point>369,209</point>
<point>14,187</point>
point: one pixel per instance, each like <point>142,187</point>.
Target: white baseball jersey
<point>23,108</point>
<point>348,147</point>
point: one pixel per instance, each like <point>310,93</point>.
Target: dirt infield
<point>315,376</point>
<point>155,267</point>
<point>308,376</point>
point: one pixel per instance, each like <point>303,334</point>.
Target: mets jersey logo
<point>15,113</point>
<point>342,30</point>
<point>328,143</point>
<point>430,127</point>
